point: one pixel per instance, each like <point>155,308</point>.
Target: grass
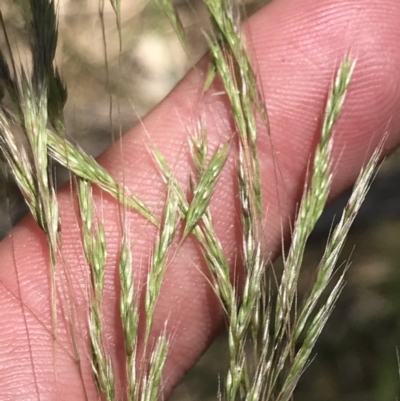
<point>266,313</point>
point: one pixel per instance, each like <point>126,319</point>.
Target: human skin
<point>296,46</point>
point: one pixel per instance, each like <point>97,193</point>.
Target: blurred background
<point>356,355</point>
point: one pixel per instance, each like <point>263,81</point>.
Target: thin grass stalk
<point>116,5</point>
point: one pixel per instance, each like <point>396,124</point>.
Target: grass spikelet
<point>205,234</point>
<point>337,239</point>
<point>203,192</point>
<point>159,258</point>
<point>129,313</point>
<point>152,368</point>
<point>295,331</point>
<point>84,166</point>
<point>151,384</point>
<point>30,92</point>
<point>169,9</point>
<point>19,162</point>
<point>231,63</point>
<point>94,243</point>
<point>316,194</point>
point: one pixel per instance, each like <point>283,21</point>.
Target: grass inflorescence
<point>264,314</point>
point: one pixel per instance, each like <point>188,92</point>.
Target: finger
<point>296,47</point>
